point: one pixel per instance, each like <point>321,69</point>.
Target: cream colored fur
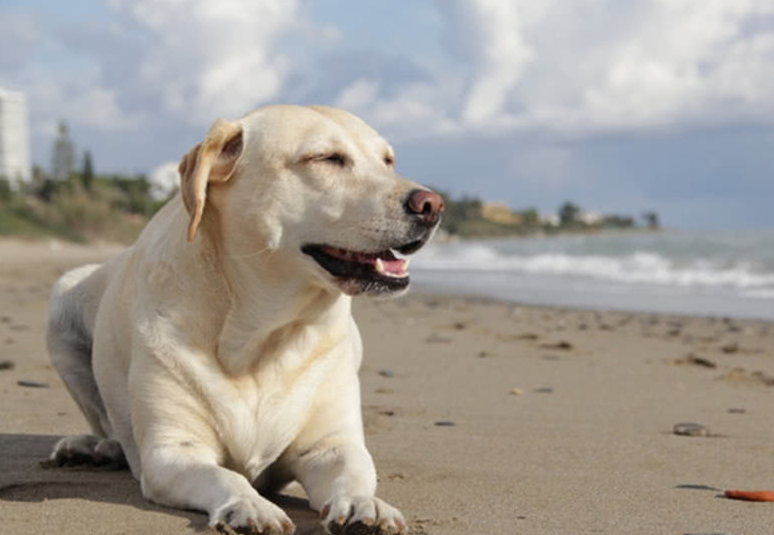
<point>221,358</point>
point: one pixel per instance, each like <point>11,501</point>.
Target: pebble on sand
<point>6,364</point>
<point>729,348</point>
<point>31,384</point>
<point>563,344</point>
<point>690,429</point>
<point>691,358</point>
<point>434,338</point>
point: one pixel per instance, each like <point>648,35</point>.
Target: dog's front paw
<point>361,515</point>
<point>253,516</point>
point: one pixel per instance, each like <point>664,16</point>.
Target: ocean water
<point>709,273</point>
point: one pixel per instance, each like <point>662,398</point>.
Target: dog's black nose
<point>428,205</point>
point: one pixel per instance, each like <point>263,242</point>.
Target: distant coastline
<point>471,217</point>
<point>444,236</point>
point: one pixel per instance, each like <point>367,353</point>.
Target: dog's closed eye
<point>338,159</point>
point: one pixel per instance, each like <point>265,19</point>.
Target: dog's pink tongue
<point>384,262</point>
<point>394,267</point>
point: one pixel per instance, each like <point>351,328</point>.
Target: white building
<point>552,220</point>
<point>591,218</point>
<point>14,148</point>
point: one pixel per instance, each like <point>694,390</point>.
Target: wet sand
<point>482,417</point>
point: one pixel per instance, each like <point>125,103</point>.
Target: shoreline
<point>430,289</point>
<point>482,416</point>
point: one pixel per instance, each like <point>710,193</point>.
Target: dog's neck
<point>269,311</point>
<point>243,307</point>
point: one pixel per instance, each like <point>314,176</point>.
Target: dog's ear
<point>212,160</point>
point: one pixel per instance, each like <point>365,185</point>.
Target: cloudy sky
<point>618,105</point>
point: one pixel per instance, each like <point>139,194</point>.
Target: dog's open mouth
<point>383,271</point>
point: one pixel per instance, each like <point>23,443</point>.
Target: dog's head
<point>314,187</point>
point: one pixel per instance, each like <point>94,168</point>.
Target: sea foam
<point>636,267</point>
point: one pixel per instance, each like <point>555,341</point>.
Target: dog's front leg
<point>339,478</point>
<point>178,477</point>
<point>182,457</point>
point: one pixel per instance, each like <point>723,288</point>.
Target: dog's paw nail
<point>252,527</point>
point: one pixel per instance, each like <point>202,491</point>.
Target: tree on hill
<point>530,217</point>
<point>568,213</point>
<point>651,220</point>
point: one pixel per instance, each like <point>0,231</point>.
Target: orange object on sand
<point>751,495</point>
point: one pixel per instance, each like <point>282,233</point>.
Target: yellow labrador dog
<point>218,356</point>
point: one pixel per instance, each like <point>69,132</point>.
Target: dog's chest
<point>264,412</point>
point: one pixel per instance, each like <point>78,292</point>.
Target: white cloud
<point>212,59</point>
<point>416,111</point>
<point>495,46</point>
<point>358,96</point>
<point>82,103</point>
<point>583,66</point>
<point>674,66</point>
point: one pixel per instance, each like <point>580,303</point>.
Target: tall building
<point>14,149</point>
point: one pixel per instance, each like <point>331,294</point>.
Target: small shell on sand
<point>690,429</point>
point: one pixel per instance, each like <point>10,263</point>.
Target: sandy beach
<point>483,417</point>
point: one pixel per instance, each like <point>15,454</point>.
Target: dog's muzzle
<point>385,271</point>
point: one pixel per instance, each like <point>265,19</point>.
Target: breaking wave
<point>635,267</point>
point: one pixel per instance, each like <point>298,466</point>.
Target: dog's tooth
<point>379,266</point>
